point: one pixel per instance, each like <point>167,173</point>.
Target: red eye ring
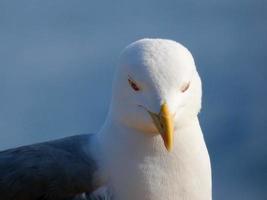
<point>133,85</point>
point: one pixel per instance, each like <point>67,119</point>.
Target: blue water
<point>57,58</point>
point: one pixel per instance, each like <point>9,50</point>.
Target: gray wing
<point>56,170</point>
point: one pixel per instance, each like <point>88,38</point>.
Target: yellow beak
<point>164,123</point>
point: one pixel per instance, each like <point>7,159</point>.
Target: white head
<point>156,88</point>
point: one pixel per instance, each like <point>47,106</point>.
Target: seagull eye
<point>185,87</point>
<point>133,85</point>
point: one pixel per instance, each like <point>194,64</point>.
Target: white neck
<point>140,167</point>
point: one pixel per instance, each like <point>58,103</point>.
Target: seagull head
<point>156,88</point>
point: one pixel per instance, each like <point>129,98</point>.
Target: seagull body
<point>150,147</point>
<point>139,165</point>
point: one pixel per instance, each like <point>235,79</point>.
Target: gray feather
<point>55,170</point>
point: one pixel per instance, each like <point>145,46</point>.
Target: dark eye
<point>133,85</point>
<point>185,87</point>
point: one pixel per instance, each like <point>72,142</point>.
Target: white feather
<point>138,165</point>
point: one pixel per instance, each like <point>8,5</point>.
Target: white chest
<point>140,168</point>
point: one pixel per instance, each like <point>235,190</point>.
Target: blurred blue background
<point>57,59</point>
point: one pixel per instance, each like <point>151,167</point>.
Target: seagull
<point>150,147</point>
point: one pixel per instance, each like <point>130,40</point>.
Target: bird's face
<point>156,87</point>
